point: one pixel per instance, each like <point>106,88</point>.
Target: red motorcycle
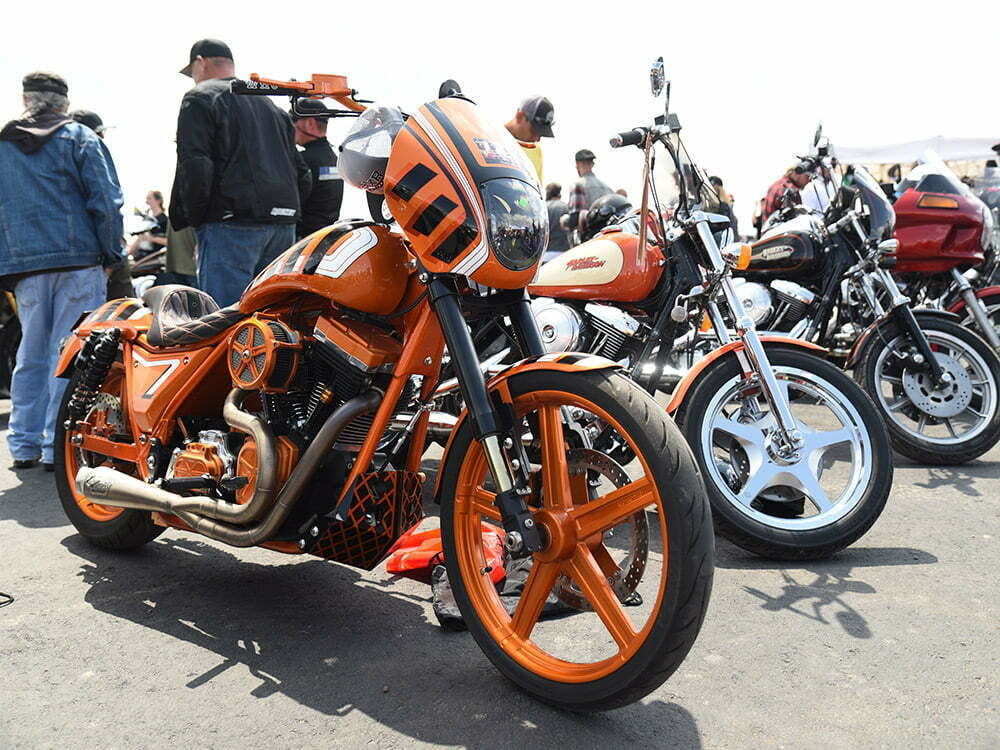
<point>946,258</point>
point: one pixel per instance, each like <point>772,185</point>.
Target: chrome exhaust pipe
<point>108,486</point>
<point>439,423</point>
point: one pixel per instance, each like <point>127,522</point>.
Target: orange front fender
<point>681,391</point>
<point>559,361</point>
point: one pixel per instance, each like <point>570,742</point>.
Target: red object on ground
<point>417,552</point>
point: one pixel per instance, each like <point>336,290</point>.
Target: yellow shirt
<point>534,152</point>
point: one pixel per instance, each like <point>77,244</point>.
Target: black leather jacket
<point>236,160</point>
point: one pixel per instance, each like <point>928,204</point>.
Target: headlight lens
<point>517,222</point>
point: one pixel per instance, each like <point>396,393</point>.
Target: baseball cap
<point>91,119</point>
<point>310,108</point>
<point>585,154</point>
<point>540,113</point>
<point>206,48</point>
<point>42,81</point>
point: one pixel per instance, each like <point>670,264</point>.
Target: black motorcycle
<point>826,278</point>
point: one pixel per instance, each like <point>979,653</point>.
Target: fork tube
<point>976,308</point>
<point>747,331</point>
<point>526,327</point>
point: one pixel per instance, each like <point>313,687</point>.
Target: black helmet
<point>604,211</point>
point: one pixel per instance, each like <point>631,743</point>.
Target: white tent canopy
<point>949,149</point>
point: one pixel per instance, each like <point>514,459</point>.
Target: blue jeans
<point>231,255</point>
<point>48,305</point>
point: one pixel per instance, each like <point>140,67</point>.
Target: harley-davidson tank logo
<point>579,264</point>
<point>777,252</point>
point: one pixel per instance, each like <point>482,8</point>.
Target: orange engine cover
<point>198,459</point>
<point>357,266</point>
<point>246,466</point>
<point>603,268</point>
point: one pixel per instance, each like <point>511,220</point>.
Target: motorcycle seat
<point>183,316</point>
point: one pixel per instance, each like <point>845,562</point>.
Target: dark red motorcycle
<point>947,256</point>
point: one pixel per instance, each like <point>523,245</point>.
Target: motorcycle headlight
<point>517,222</point>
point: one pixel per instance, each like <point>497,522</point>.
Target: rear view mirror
<point>657,78</point>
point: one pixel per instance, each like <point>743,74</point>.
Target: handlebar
<point>318,85</point>
<point>632,137</point>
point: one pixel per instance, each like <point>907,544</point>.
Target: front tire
<point>559,666</point>
<point>918,414</point>
<point>789,511</point>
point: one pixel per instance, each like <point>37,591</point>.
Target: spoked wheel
<point>943,424</point>
<point>103,525</point>
<point>803,504</point>
<point>630,548</point>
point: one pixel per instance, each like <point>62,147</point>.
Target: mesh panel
<point>241,336</point>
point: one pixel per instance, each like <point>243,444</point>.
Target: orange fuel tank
<point>603,268</point>
<point>355,264</point>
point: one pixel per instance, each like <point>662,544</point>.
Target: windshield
<point>669,179</point>
<point>932,175</point>
<point>881,217</point>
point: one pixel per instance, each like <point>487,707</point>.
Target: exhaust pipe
<point>439,424</point>
<point>108,486</point>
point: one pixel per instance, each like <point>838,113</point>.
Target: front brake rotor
<point>626,577</point>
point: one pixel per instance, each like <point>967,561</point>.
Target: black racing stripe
<point>412,181</point>
<point>106,312</point>
<point>433,215</point>
<point>312,263</point>
<point>294,253</point>
<point>129,309</point>
<point>455,243</point>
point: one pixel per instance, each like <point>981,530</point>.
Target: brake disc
<point>630,570</point>
<point>944,400</point>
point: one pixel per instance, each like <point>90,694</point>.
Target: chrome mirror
<point>657,78</point>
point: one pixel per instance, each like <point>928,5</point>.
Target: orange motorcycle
<point>295,420</point>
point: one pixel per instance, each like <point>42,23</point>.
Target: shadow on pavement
<point>824,598</point>
<point>959,478</point>
<point>34,502</point>
<point>336,642</point>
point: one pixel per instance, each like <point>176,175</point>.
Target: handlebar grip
<point>631,137</point>
<point>255,88</point>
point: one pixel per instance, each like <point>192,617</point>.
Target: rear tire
<point>126,530</point>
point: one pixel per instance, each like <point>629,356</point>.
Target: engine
<point>777,307</point>
<point>598,329</point>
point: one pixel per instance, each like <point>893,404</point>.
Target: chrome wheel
<point>814,486</point>
<point>942,414</point>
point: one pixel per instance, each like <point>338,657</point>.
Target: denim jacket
<point>60,206</point>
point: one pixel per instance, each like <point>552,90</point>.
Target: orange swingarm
<point>319,84</point>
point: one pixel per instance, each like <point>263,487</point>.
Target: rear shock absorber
<point>96,357</point>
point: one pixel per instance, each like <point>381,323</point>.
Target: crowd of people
<point>250,179</point>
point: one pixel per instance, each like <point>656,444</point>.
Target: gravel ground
<point>892,643</point>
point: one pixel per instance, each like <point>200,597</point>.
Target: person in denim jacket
<point>60,224</point>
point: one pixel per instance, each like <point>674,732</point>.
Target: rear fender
<point>497,386</point>
<point>127,313</point>
<point>959,304</point>
<point>737,348</point>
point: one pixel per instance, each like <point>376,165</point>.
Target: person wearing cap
<point>322,206</point>
<point>239,176</point>
<point>61,217</point>
<point>790,183</point>
<point>532,122</point>
<point>91,119</point>
<point>585,191</point>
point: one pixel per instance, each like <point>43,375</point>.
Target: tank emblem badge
<point>580,264</point>
<point>777,252</point>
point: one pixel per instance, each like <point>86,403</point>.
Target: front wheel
<point>941,424</point>
<point>802,505</point>
<point>630,549</point>
<point>992,304</point>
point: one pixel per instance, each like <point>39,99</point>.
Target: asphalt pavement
<point>188,643</point>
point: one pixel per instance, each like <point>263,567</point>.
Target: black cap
<point>91,119</point>
<point>42,81</point>
<point>206,48</point>
<point>310,108</point>
<point>540,113</point>
<point>585,154</point>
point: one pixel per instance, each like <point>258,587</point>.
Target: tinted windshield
<point>669,180</point>
<point>881,217</point>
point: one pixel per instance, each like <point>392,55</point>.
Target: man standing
<point>532,122</point>
<point>585,191</point>
<point>61,219</point>
<point>238,176</point>
<point>558,237</point>
<point>322,207</point>
<point>790,181</point>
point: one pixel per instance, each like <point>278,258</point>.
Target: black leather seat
<point>183,316</point>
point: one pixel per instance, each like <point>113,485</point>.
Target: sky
<point>750,81</point>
